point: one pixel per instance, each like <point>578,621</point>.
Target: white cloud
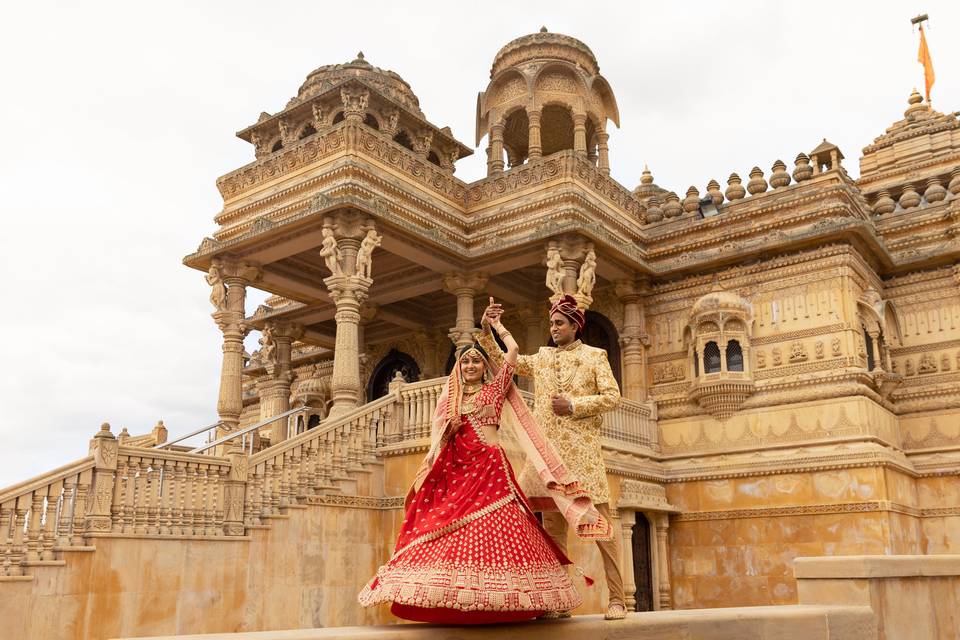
<point>119,117</point>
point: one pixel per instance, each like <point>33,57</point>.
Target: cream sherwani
<point>582,374</point>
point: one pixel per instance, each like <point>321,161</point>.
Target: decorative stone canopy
<point>720,300</point>
<point>544,44</point>
<point>389,83</point>
<point>546,95</point>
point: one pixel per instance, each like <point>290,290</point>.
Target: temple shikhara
<point>787,344</point>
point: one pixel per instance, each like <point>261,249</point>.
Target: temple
<point>787,345</point>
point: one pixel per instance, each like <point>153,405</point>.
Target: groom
<point>573,387</point>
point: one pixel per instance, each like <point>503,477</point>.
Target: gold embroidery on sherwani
<point>582,374</point>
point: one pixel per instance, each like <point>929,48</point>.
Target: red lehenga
<point>470,550</point>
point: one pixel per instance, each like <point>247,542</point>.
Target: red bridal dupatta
<point>548,484</point>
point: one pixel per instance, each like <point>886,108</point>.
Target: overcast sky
<point>119,118</point>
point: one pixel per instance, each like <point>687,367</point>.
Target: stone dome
<point>544,45</point>
<point>721,300</point>
<point>387,82</point>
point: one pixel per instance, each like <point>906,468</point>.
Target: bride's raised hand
<point>491,315</point>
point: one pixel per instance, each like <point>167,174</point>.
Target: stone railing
<point>165,493</point>
<point>314,462</point>
<point>632,423</point>
<point>42,514</point>
<point>418,401</point>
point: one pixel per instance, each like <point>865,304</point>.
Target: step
<point>788,622</point>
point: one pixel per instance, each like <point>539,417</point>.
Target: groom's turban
<point>567,305</point>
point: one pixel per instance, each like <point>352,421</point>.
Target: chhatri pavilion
<point>787,345</point>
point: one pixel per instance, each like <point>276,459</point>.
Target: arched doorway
<point>387,369</point>
<point>642,565</point>
<point>601,333</point>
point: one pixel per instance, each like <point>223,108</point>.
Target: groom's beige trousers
<point>556,526</point>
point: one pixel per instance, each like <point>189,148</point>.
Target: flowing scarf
<point>548,483</point>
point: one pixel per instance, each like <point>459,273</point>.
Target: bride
<point>470,550</point>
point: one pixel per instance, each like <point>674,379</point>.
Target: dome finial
<point>359,55</point>
<point>543,29</point>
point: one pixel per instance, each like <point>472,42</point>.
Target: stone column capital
<point>631,291</point>
<point>460,283</point>
<point>533,115</point>
<point>284,330</point>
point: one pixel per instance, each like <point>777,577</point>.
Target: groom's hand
<point>561,406</point>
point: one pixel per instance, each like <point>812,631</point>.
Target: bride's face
<point>472,367</point>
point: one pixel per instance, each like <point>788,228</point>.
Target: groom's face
<point>562,330</point>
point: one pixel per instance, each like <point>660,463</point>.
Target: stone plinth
<point>912,596</point>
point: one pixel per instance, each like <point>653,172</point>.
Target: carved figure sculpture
<point>330,252</point>
<point>218,293</point>
<point>777,360</point>
<point>798,352</point>
<point>835,346</point>
<point>818,349</point>
<point>909,367</point>
<point>588,274</point>
<point>555,271</point>
<point>761,359</point>
<point>268,348</point>
<point>365,255</point>
<point>927,364</point>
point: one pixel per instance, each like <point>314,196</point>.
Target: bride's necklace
<point>470,392</point>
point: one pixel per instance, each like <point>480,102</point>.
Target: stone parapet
<point>913,596</point>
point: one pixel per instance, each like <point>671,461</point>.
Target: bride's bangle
<point>503,333</point>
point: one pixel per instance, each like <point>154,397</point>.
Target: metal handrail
<point>242,432</point>
<point>164,445</point>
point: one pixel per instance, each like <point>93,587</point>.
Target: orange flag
<point>924,58</point>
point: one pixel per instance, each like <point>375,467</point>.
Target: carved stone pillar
<point>495,163</point>
<point>580,135</point>
<point>628,519</point>
<point>663,557</point>
<point>603,151</point>
<point>348,291</point>
<point>230,291</point>
<point>534,146</point>
<point>873,347</point>
<point>354,103</point>
<point>274,389</point>
<point>465,286</point>
<point>633,339</point>
<point>103,447</point>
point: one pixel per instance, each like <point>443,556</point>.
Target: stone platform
<point>800,622</point>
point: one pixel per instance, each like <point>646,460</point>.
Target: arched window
<point>734,356</point>
<point>403,140</point>
<point>337,118</point>
<point>371,122</point>
<point>556,129</point>
<point>387,369</point>
<point>432,157</point>
<point>868,342</point>
<point>277,146</point>
<point>307,131</point>
<point>711,358</point>
<point>696,364</point>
